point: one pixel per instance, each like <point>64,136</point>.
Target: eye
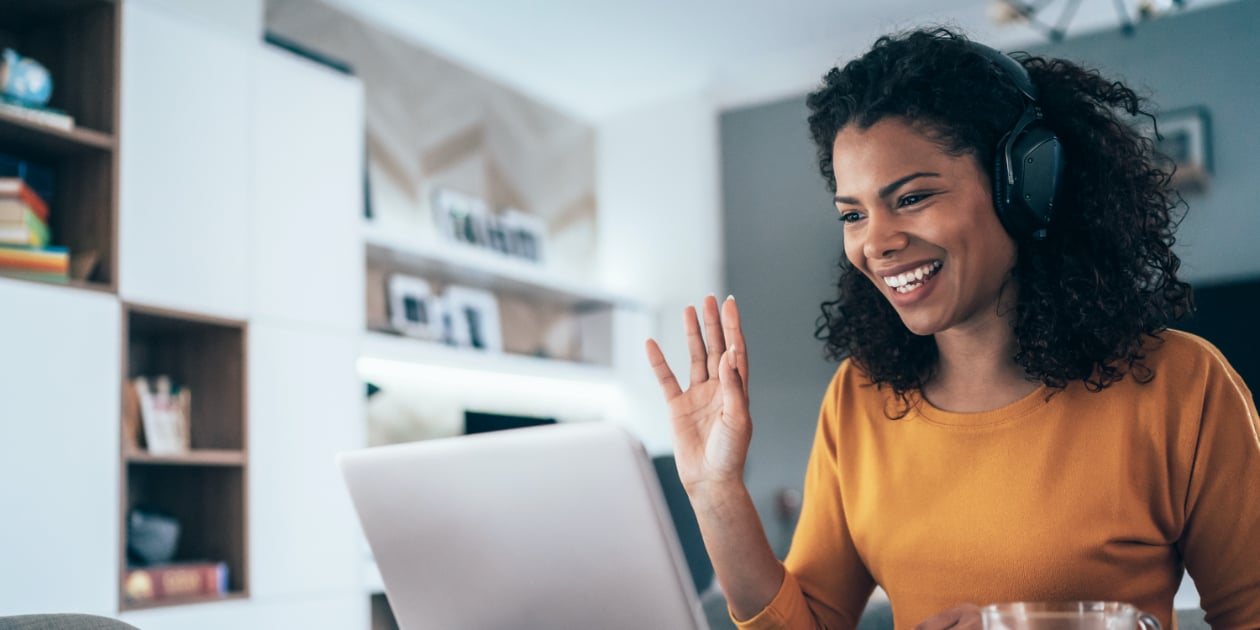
<point>910,200</point>
<point>850,217</point>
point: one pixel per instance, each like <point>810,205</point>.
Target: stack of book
<point>176,581</point>
<point>25,247</point>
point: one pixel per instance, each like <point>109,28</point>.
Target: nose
<point>884,237</point>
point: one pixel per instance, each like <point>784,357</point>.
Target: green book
<point>36,275</point>
<point>29,231</point>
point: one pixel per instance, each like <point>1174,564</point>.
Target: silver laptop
<point>547,528</point>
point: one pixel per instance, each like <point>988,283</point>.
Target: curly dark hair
<point>1105,277</point>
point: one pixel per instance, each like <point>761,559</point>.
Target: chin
<point>921,330</point>
<point>921,326</point>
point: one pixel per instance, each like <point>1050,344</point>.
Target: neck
<point>976,368</point>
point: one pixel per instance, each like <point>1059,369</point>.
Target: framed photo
<point>474,318</point>
<point>413,308</point>
<point>1184,142</point>
<point>524,234</point>
<point>164,411</point>
<point>461,218</point>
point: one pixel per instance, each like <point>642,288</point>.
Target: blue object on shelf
<point>152,538</point>
<point>24,80</point>
<point>38,176</point>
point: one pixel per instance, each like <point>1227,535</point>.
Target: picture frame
<point>1184,146</point>
<point>525,234</point>
<point>414,309</point>
<point>469,220</point>
<point>449,207</point>
<point>461,218</point>
<point>164,414</point>
<point>474,318</point>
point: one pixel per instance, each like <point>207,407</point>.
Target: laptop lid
<point>560,526</point>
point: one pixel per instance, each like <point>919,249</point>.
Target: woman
<point>1013,421</point>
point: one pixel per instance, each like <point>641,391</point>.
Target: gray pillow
<point>62,622</point>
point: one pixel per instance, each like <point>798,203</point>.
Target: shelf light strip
<point>435,376</point>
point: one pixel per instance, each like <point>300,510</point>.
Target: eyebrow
<point>887,190</point>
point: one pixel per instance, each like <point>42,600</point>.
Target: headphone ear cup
<point>1001,190</point>
<point>1037,162</point>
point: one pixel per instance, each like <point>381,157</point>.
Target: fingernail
<point>730,298</point>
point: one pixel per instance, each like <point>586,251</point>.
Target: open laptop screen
<point>559,526</point>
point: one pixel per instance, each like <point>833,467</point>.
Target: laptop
<point>542,528</point>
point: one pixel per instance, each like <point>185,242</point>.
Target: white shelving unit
<point>470,265</point>
<point>440,381</point>
<point>555,296</point>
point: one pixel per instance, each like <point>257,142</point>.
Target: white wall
<point>239,19</point>
<point>659,232</point>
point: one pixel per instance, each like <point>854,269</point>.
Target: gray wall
<point>782,239</point>
<point>1207,58</point>
<point>782,245</point>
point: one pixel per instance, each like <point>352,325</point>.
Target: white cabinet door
<point>319,612</point>
<point>306,405</point>
<point>184,189</point>
<point>308,194</point>
<point>60,384</point>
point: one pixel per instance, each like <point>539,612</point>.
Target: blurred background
<point>237,238</point>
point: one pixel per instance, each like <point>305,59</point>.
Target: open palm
<point>710,420</point>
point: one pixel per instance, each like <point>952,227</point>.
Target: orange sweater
<point>1084,496</point>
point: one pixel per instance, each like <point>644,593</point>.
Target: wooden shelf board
<point>151,315</point>
<point>71,284</point>
<point>182,601</point>
<point>21,136</point>
<point>195,457</point>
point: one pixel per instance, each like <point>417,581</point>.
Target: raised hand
<point>710,420</point>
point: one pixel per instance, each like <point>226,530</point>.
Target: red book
<point>190,579</point>
<point>15,188</point>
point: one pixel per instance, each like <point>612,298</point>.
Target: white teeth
<point>910,280</point>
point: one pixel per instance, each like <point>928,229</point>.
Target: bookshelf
<point>205,488</point>
<point>78,41</point>
<point>552,324</point>
<point>202,277</point>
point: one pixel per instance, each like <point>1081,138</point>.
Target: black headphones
<point>1028,161</point>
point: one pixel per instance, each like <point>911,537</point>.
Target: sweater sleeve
<point>825,583</point>
<point>1220,542</point>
